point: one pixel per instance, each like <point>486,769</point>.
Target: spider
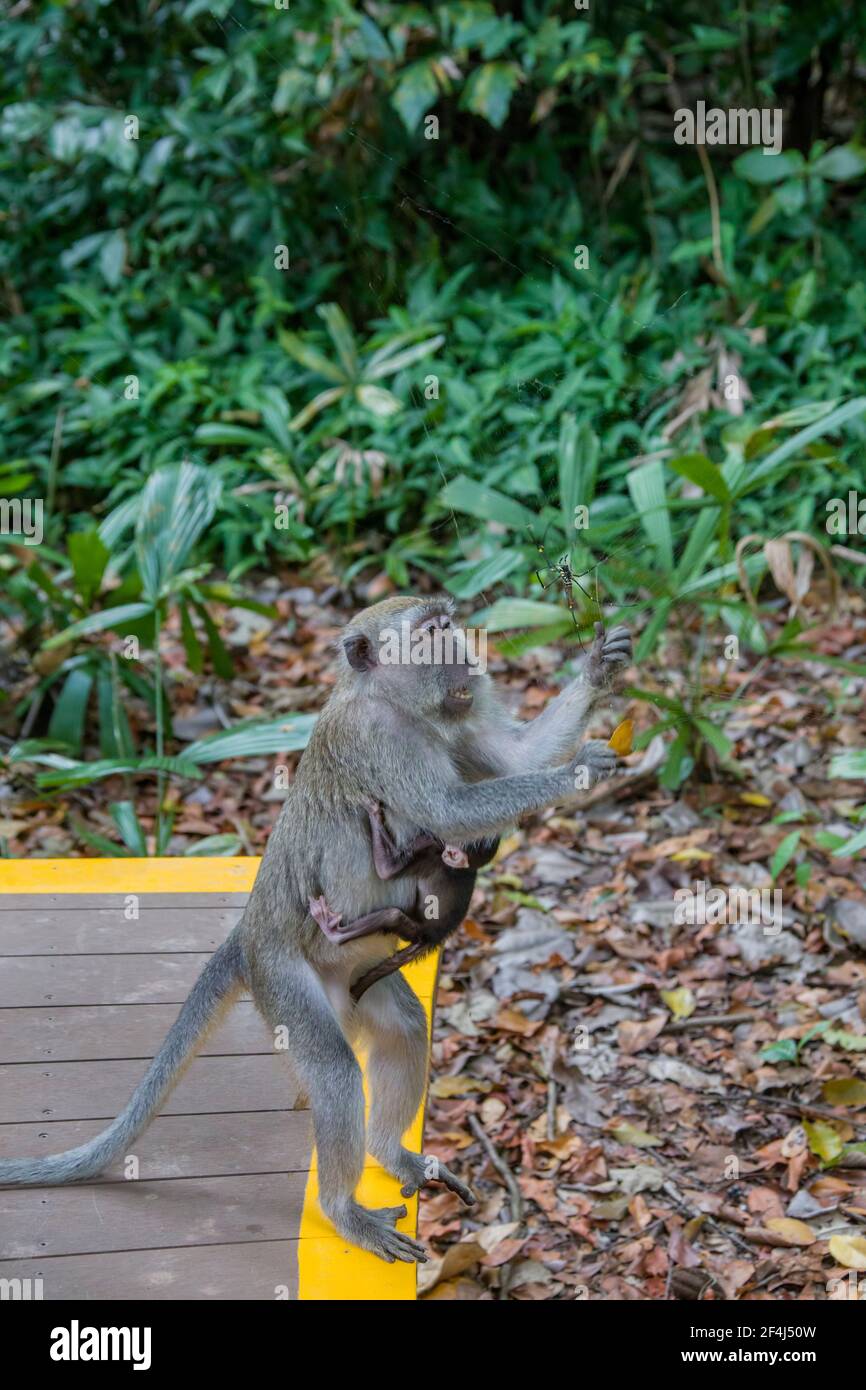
<point>563,576</point>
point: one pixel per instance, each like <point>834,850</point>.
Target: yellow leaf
<point>791,1231</point>
<point>681,1002</point>
<point>684,856</point>
<point>631,1134</point>
<point>621,738</point>
<point>823,1140</point>
<point>850,1251</point>
<point>755,799</point>
<point>508,846</point>
<point>447,1086</point>
<point>845,1090</point>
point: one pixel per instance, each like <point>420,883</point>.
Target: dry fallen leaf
<point>794,1232</point>
<point>447,1086</point>
<point>850,1251</point>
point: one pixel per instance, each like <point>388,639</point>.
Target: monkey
<point>445,877</point>
<point>432,741</point>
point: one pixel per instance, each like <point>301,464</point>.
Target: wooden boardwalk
<point>223,1204</point>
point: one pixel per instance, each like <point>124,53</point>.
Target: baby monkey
<point>446,879</point>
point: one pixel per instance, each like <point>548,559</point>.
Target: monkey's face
<point>450,681</point>
<point>413,655</point>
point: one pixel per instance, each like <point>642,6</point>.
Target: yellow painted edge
<point>194,875</point>
<point>327,1267</point>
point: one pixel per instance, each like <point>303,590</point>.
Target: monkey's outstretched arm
<point>554,734</point>
<point>453,810</point>
<point>501,746</point>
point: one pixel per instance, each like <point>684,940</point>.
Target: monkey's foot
<point>326,919</point>
<point>422,1170</point>
<point>455,857</point>
<point>374,1229</point>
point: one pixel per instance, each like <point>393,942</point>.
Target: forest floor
<point>649,1106</point>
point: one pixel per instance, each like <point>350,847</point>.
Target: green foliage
<point>331,252</point>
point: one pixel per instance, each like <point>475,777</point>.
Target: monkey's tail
<point>213,990</point>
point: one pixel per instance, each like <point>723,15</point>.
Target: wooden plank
<point>85,1033</point>
<point>98,931</point>
<point>134,979</point>
<point>137,1216</point>
<point>183,1146</point>
<point>73,1233</point>
<point>34,981</point>
<point>114,902</point>
<point>266,1269</point>
<point>99,1090</point>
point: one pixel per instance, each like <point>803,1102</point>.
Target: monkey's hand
<point>373,807</point>
<point>609,652</point>
<point>595,762</point>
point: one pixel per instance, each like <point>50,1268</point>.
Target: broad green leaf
<point>99,622</point>
<point>214,845</point>
<point>508,613</point>
<point>578,464</point>
<point>762,168</point>
<point>310,357</point>
<point>464,494</point>
<point>251,739</point>
<point>376,399</point>
<point>387,366</point>
<point>797,443</point>
<point>88,557</point>
<point>67,719</point>
<point>852,846</point>
<point>217,432</point>
<point>647,487</point>
<point>124,815</point>
<point>415,93</point>
<point>469,582</point>
<point>784,853</point>
<point>850,764</point>
<point>844,162</point>
<point>800,295</point>
<point>342,337</point>
<point>176,505</point>
<point>699,469</point>
<point>488,91</point>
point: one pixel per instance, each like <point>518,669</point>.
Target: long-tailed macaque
<point>431,742</point>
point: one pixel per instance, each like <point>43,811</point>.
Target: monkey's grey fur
<point>438,759</point>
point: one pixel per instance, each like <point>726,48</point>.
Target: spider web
<point>632,543</point>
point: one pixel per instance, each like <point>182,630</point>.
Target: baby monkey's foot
<point>421,1170</point>
<point>329,921</point>
<point>455,857</point>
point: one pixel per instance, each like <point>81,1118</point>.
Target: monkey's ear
<point>359,653</point>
